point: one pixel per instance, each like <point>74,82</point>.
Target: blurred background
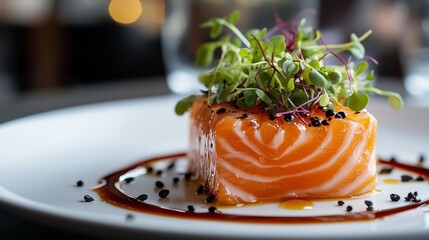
<point>59,47</point>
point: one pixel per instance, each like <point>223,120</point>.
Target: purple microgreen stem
<point>342,61</point>
<point>372,59</point>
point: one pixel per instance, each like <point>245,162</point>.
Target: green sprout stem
<point>237,32</point>
<point>343,46</point>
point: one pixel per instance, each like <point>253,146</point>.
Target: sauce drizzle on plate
<point>110,192</point>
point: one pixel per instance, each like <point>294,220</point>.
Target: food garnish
<point>283,70</point>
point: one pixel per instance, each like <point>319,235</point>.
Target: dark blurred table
<point>14,227</point>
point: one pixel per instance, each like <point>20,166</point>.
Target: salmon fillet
<point>246,159</point>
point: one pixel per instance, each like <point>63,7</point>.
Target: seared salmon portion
<point>245,157</point>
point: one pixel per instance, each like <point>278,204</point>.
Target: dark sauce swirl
<point>109,193</point>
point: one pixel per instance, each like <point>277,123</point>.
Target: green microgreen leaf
<point>335,77</point>
<point>207,79</point>
<point>250,98</point>
<point>290,85</point>
<point>204,56</point>
<point>233,18</point>
<point>264,80</point>
<point>245,54</point>
<point>324,99</point>
<point>241,104</point>
<point>315,64</point>
<point>370,76</point>
<point>316,78</point>
<point>263,96</point>
<point>225,92</point>
<point>216,30</point>
<point>357,49</point>
<point>276,44</point>
<point>396,101</point>
<point>183,105</point>
<point>357,101</point>
<point>298,97</point>
<point>361,68</point>
<point>290,67</point>
<point>331,106</point>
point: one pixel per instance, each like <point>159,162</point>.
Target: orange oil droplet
<point>391,181</point>
<point>297,204</point>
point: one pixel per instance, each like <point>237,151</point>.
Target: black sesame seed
<point>410,197</point>
<point>88,198</point>
<point>128,180</point>
<point>329,113</point>
<point>142,197</point>
<point>244,116</point>
<point>288,118</point>
<point>394,197</point>
<point>316,122</point>
<point>222,110</point>
<point>386,170</point>
<point>416,200</point>
<point>159,184</point>
<point>163,193</point>
<point>325,122</point>
<point>340,203</point>
<point>272,117</point>
<point>309,125</point>
<point>210,198</point>
<point>79,183</point>
<point>175,179</point>
<point>212,209</point>
<point>421,158</point>
<point>406,178</point>
<point>149,169</point>
<point>368,203</point>
<point>191,208</point>
<point>369,209</point>
<point>188,175</point>
<point>357,112</point>
<point>393,159</point>
<point>420,179</point>
<point>211,145</point>
<point>159,172</point>
<point>340,115</point>
<point>171,166</point>
<point>200,189</point>
<point>329,119</point>
<point>129,217</point>
<point>349,208</point>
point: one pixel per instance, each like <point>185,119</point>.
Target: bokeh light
<point>125,11</point>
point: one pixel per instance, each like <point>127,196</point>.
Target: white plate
<point>42,157</point>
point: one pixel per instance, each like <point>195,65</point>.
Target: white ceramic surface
<point>42,157</point>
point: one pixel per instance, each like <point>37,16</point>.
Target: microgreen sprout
<point>282,70</point>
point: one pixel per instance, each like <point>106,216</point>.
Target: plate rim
<point>17,204</point>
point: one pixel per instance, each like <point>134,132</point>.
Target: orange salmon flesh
<point>255,159</point>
